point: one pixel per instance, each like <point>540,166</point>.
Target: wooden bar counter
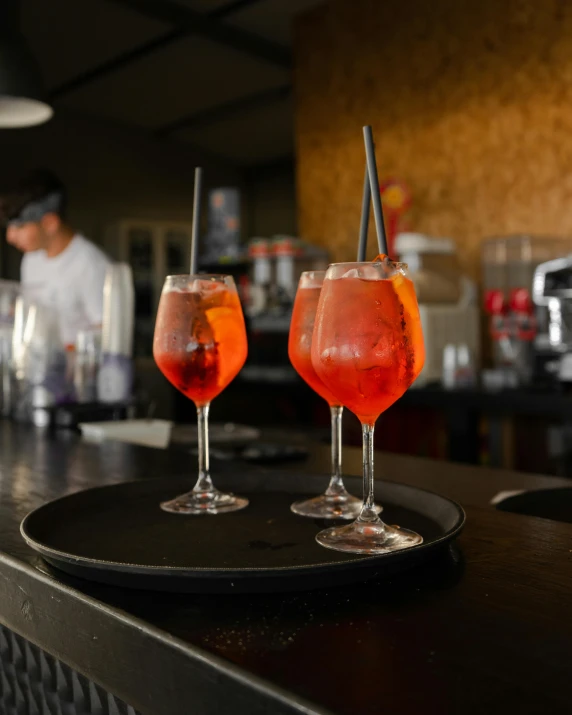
<point>485,628</point>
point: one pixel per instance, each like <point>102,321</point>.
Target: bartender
<point>60,268</point>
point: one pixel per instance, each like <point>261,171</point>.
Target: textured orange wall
<point>470,102</point>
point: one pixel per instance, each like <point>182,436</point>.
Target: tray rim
<point>55,555</point>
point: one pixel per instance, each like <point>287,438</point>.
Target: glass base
<point>330,506</point>
<point>211,502</point>
<point>363,537</point>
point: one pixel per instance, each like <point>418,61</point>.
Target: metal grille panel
<point>34,683</point>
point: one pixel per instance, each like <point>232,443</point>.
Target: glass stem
<point>336,485</point>
<point>368,512</point>
<point>204,482</point>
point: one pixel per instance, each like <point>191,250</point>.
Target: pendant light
<point>22,94</point>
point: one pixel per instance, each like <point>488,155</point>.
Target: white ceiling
<point>222,91</point>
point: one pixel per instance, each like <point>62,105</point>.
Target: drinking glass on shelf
<point>336,502</point>
<point>367,349</point>
<point>86,363</point>
<point>200,346</point>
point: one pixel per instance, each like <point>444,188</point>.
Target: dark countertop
<point>486,628</point>
<point>529,401</point>
<point>551,401</point>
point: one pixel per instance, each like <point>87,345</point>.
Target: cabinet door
<point>154,250</point>
<point>177,243</point>
<point>142,256</point>
<point>141,250</point>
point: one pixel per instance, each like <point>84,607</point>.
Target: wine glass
<point>367,349</point>
<point>336,502</point>
<point>200,346</point>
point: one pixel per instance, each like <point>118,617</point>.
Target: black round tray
<point>118,535</point>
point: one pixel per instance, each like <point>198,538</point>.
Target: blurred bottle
<point>449,366</point>
<point>458,367</point>
<point>259,289</point>
<point>115,378</point>
<point>9,292</point>
<point>222,244</point>
<point>86,365</point>
<point>466,372</point>
<point>39,362</point>
<point>284,249</point>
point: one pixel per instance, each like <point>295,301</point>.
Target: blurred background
<point>471,106</point>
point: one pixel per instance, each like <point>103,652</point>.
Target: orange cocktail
<point>374,342</point>
<point>336,502</point>
<point>368,349</point>
<point>302,329</point>
<point>200,346</point>
<point>200,338</point>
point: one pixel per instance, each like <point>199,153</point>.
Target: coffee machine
<point>518,311</point>
<point>552,293</point>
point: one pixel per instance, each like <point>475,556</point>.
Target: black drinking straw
<point>196,219</point>
<point>374,187</point>
<point>364,223</point>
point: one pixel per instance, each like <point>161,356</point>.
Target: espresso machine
<point>518,301</point>
<point>552,294</point>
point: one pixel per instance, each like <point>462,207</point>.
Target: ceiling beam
<point>226,110</point>
<point>116,63</point>
<point>142,134</point>
<point>197,23</point>
<point>232,7</point>
<point>157,43</point>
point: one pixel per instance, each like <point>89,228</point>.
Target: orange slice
<point>228,330</point>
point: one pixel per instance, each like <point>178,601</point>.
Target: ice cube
<point>352,273</point>
<point>213,294</point>
<point>188,287</point>
<point>206,286</point>
<point>338,353</point>
<point>173,289</point>
<point>328,354</point>
<point>367,272</point>
<point>202,333</point>
<point>371,272</point>
<point>197,285</point>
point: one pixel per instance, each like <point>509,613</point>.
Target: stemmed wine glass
<point>336,502</point>
<point>367,349</point>
<point>200,346</point>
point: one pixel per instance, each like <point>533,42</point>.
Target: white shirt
<point>71,283</point>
